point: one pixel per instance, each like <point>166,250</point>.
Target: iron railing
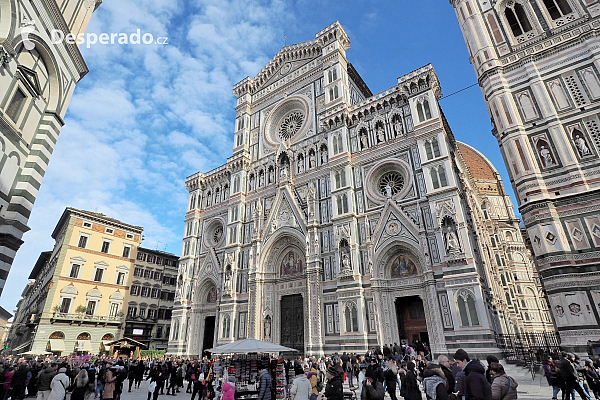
<point>528,347</point>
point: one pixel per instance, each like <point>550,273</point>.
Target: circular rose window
<point>392,182</point>
<point>214,233</point>
<point>388,179</point>
<point>286,121</point>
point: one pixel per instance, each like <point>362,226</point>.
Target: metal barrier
<point>528,347</point>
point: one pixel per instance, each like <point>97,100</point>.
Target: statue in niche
<point>312,161</point>
<point>271,176</point>
<point>388,191</point>
<point>380,134</point>
<point>316,244</point>
<point>345,262</point>
<point>546,155</point>
<point>323,157</point>
<point>310,199</point>
<point>284,172</point>
<point>300,165</point>
<point>217,197</point>
<point>225,192</point>
<point>580,144</point>
<point>208,199</point>
<point>364,142</point>
<point>227,284</point>
<point>452,242</point>
<point>398,126</point>
<point>267,327</point>
<point>252,181</point>
<point>257,217</point>
<point>261,180</point>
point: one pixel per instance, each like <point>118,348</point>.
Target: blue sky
<point>148,116</point>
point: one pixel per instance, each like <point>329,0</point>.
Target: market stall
<point>244,359</point>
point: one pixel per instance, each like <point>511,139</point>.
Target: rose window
<point>290,125</point>
<point>393,181</point>
<point>217,234</point>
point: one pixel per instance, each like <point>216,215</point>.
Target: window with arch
<point>351,317</point>
<point>342,204</point>
<point>226,327</point>
<point>336,149</point>
<point>557,8</point>
<point>330,76</point>
<point>192,201</point>
<point>335,92</point>
<point>340,179</point>
<point>438,177</point>
<point>57,335</point>
<point>236,184</point>
<point>330,94</point>
<point>334,73</point>
<point>420,112</point>
<point>517,19</point>
<point>426,109</point>
<point>339,143</point>
<point>432,148</point>
<point>467,308</point>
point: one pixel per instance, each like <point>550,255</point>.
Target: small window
<point>65,306</point>
<point>15,105</point>
<point>428,150</point>
<point>131,311</point>
<point>427,109</point>
<point>87,224</point>
<point>142,313</point>
<point>436,147</point>
<point>113,311</point>
<point>120,278</point>
<point>138,272</point>
<point>99,275</point>
<point>109,230</point>
<point>148,274</point>
<point>141,256</point>
<point>126,251</point>
<point>129,236</point>
<point>557,8</point>
<point>420,112</point>
<point>75,271</point>
<point>135,290</point>
<point>91,307</point>
<point>517,20</point>
<point>105,246</point>
<point>82,242</point>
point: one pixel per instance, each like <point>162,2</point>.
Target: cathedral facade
<point>345,220</point>
<point>538,66</point>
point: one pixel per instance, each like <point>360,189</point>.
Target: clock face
<point>287,121</point>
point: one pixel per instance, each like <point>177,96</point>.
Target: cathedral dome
<point>480,167</point>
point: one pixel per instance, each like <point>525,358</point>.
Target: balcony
<point>79,318</point>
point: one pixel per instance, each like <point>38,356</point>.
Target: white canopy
<point>35,353</point>
<point>250,345</point>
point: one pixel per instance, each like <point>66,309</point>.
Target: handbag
<point>507,389</point>
<point>152,387</point>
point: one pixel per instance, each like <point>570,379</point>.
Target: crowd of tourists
<point>398,370</point>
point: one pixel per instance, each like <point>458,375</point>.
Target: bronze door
<point>292,322</point>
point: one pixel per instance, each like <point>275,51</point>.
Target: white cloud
<point>146,117</point>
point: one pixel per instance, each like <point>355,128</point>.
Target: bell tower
<point>541,83</point>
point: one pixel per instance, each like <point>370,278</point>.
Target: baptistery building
<point>345,220</point>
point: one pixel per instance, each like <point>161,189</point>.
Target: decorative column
<point>314,342</point>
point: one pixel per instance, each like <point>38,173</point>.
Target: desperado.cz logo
<point>57,36</point>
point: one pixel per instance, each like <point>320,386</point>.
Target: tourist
<point>301,387</point>
<point>476,387</point>
<point>488,372</point>
<point>376,368</point>
<point>568,374</point>
<point>334,389</point>
<point>315,381</point>
<point>59,385</point>
<point>265,385</point>
<point>592,378</point>
<point>43,380</point>
<point>10,372</point>
<point>19,382</point>
<point>444,363</point>
<point>229,388</point>
<point>109,383</point>
<point>551,373</point>
<point>198,386</point>
<point>391,377</point>
<point>372,389</point>
<point>504,387</point>
<point>435,384</point>
<point>80,386</point>
<point>409,388</point>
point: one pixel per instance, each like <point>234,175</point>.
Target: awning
<point>57,345</point>
<point>84,345</point>
<point>105,345</point>
<point>22,346</point>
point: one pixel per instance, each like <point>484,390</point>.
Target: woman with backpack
<point>550,371</point>
<point>503,386</point>
<point>313,377</point>
<point>410,387</point>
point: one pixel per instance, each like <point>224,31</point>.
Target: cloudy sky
<point>148,116</point>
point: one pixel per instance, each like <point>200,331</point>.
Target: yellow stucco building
<point>82,285</point>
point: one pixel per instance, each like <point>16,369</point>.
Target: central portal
<point>292,322</point>
<point>410,315</point>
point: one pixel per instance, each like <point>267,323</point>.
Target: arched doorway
<point>209,319</point>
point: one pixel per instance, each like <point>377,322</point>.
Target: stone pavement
<point>528,388</point>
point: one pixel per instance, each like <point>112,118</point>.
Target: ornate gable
<point>394,224</point>
<point>285,213</point>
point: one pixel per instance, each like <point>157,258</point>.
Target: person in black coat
<point>334,389</point>
<point>372,390</point>
<point>445,366</point>
<point>567,373</point>
<point>18,382</point>
<point>488,372</point>
<point>592,378</point>
<point>390,382</point>
<point>410,387</point>
<point>376,368</point>
<point>476,386</point>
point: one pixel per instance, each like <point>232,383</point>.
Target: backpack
<point>319,385</point>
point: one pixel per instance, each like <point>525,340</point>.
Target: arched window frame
<point>557,9</point>
<point>420,112</point>
<point>426,109</point>
<point>428,150</point>
<point>335,144</point>
<point>467,308</point>
<point>339,143</point>
<point>435,182</point>
<point>351,317</point>
<point>522,26</point>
